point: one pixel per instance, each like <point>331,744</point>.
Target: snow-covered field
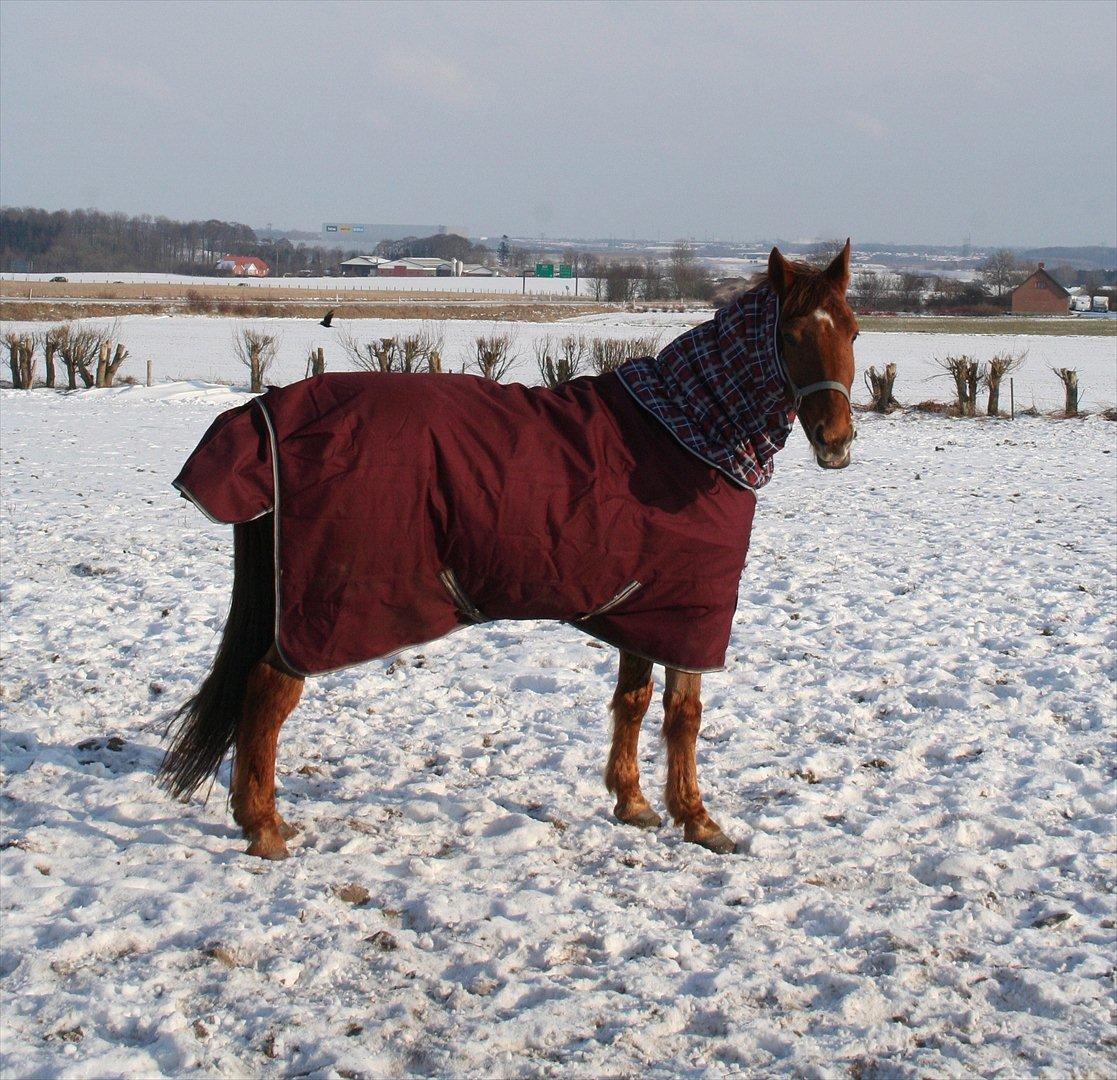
<point>913,740</point>
<point>341,286</point>
<point>201,347</point>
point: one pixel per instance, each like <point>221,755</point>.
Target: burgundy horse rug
<point>407,506</point>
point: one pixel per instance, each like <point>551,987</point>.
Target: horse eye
<point>856,334</point>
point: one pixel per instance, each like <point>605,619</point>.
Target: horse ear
<point>838,270</point>
<point>779,272</point>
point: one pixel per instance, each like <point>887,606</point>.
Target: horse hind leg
<point>270,697</point>
<point>622,774</point>
<point>682,705</point>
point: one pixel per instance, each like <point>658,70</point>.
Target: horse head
<point>816,334</point>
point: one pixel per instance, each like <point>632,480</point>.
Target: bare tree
<point>315,361</point>
<point>50,341</point>
<point>593,274</point>
<point>868,289</point>
<point>966,373</point>
<point>622,281</point>
<point>257,352</point>
<point>494,354</point>
<point>909,290</point>
<point>78,346</point>
<point>880,385</point>
<point>999,272</point>
<point>689,279</point>
<point>375,355</point>
<point>415,352</point>
<point>607,354</point>
<point>92,354</point>
<point>824,252</point>
<point>993,374</point>
<point>432,336</point>
<point>559,362</point>
<point>411,353</point>
<point>109,362</point>
<point>378,355</point>
<point>1069,378</point>
<point>422,351</point>
<point>21,358</point>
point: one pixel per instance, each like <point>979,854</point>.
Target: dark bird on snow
<point>328,319</point>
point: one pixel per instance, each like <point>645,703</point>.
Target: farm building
<point>362,266</point>
<point>375,266</point>
<point>1040,294</point>
<point>417,268</point>
<point>242,266</point>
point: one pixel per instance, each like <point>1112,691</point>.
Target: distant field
<point>1005,324</point>
<point>558,287</point>
<point>26,300</point>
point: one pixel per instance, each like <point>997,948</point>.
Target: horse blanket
<point>407,506</point>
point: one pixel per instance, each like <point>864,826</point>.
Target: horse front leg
<point>682,709</point>
<point>622,774</point>
<point>269,698</point>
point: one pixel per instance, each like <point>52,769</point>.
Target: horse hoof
<point>717,842</point>
<point>642,819</point>
<point>268,844</point>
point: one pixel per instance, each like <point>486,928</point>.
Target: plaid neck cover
<point>720,389</point>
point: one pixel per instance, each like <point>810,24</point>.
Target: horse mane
<point>810,288</point>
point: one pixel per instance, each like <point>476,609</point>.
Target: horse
<point>800,355</point>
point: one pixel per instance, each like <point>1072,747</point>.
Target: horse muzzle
<point>831,456</point>
<point>832,461</point>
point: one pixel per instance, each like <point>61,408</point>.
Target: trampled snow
<point>198,347</point>
<point>912,740</point>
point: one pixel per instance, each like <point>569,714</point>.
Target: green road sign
<point>565,270</point>
<point>544,269</point>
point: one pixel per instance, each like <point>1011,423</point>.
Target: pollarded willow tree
<point>966,373</point>
<point>421,351</point>
<point>560,361</point>
<point>1069,379</point>
<point>21,359</point>
<point>494,354</point>
<point>257,352</point>
<point>994,374</point>
<point>880,383</point>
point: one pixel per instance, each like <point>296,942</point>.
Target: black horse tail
<point>205,727</point>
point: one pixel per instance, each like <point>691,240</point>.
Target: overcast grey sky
<point>922,122</point>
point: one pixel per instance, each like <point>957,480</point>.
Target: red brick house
<point>1040,294</point>
<point>242,266</point>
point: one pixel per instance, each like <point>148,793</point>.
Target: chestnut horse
<point>250,691</point>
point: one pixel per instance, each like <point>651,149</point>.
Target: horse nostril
<point>818,439</point>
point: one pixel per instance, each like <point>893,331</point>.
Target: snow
<point>201,347</point>
<point>912,741</point>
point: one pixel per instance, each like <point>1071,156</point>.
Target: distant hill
<point>75,240</point>
<point>1081,258</point>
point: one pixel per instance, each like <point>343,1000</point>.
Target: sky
<point>925,123</point>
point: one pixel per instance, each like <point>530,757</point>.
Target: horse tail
<point>202,731</point>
